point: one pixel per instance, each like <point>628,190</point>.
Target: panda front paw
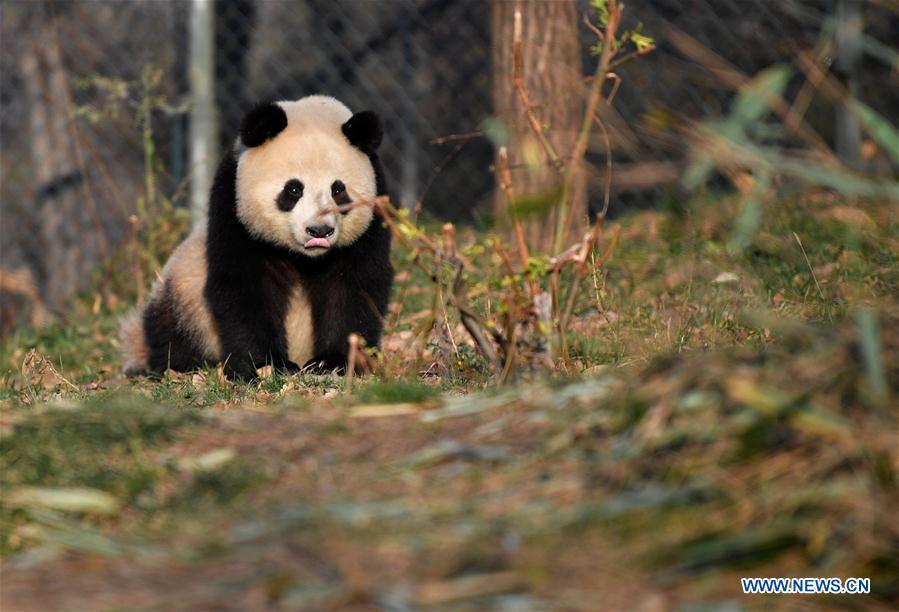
<point>240,370</point>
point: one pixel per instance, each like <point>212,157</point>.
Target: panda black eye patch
<point>292,192</point>
<point>340,195</point>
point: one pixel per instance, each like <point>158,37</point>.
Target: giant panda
<point>278,275</point>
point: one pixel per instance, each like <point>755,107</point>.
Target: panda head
<point>299,161</point>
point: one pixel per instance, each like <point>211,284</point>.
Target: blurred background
<point>711,395</point>
<point>107,106</point>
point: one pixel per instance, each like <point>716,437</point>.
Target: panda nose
<point>320,231</point>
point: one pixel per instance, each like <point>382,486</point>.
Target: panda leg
<point>241,367</point>
<point>247,349</point>
<point>167,346</point>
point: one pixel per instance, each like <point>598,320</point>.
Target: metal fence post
<point>202,110</point>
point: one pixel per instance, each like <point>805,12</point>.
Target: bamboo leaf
<point>886,135</point>
<point>756,97</point>
<point>872,354</point>
<point>750,220</point>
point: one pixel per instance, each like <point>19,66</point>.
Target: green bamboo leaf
<point>602,10</point>
<point>872,354</point>
<point>536,204</point>
<point>756,97</point>
<point>746,548</point>
<point>881,130</point>
<point>496,131</point>
<point>845,182</point>
<point>750,219</point>
<point>820,422</point>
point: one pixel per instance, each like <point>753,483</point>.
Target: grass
<point>723,415</point>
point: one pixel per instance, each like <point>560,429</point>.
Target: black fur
<point>250,281</point>
<point>340,195</point>
<point>168,346</point>
<point>265,121</point>
<point>364,131</point>
<point>290,195</point>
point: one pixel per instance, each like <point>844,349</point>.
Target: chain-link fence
<point>89,89</point>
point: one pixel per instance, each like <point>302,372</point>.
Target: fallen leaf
<point>446,450</point>
<point>207,462</point>
<point>70,499</point>
<point>726,278</point>
<point>38,370</point>
<point>198,381</point>
<point>466,587</point>
<point>850,216</point>
<point>384,410</point>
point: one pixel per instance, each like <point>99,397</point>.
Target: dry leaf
<point>207,462</point>
<point>467,587</point>
<point>726,278</point>
<point>38,370</point>
<point>384,410</point>
<point>198,381</point>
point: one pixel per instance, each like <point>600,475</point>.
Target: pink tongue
<point>317,242</point>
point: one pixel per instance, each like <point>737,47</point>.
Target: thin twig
<point>466,136</point>
<point>505,181</point>
<point>353,341</point>
<point>731,76</point>
<point>631,56</point>
<point>401,300</point>
<point>809,264</point>
<point>580,273</point>
<point>595,29</point>
<point>583,139</point>
<point>607,193</point>
<point>617,79</point>
<point>616,234</point>
<point>471,321</point>
<point>810,86</point>
<point>343,208</point>
<point>582,270</point>
<point>438,170</point>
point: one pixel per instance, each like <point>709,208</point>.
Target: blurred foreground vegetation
<point>725,413</point>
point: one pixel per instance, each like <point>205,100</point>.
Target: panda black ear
<point>364,131</point>
<point>265,121</point>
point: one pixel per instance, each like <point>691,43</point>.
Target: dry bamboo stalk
<point>449,241</point>
<point>353,340</point>
<point>505,181</point>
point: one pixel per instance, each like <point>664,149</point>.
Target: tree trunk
<point>551,70</point>
<point>71,234</point>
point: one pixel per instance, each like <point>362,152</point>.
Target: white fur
<point>298,327</point>
<point>185,274</point>
<point>313,149</point>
